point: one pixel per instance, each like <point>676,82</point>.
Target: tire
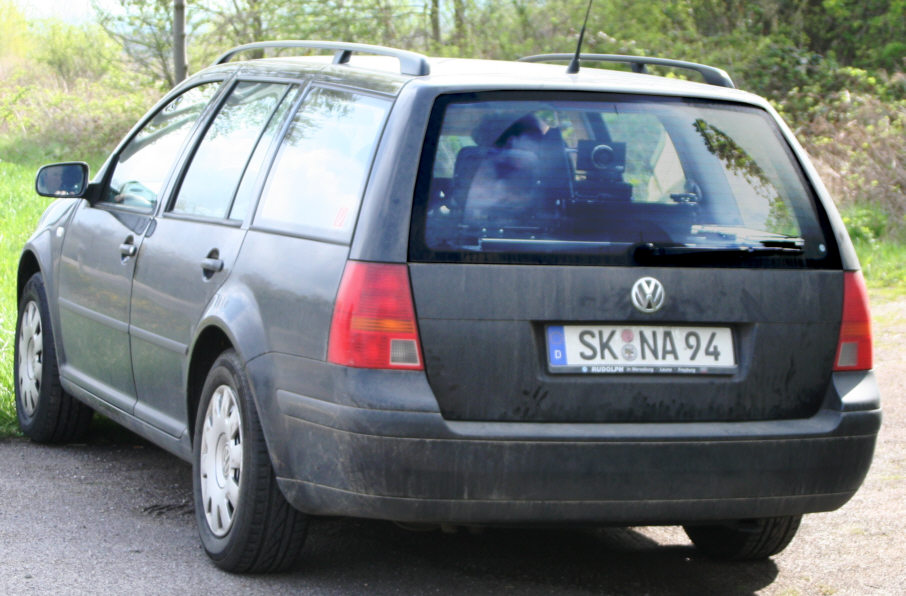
<point>46,413</point>
<point>746,540</point>
<point>245,523</point>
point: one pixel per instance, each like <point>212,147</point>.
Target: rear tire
<point>46,413</point>
<point>245,523</point>
<point>745,540</point>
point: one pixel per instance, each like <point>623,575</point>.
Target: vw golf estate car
<point>442,291</point>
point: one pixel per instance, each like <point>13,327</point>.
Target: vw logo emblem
<point>647,295</point>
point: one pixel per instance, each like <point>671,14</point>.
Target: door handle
<point>212,265</point>
<point>128,249</point>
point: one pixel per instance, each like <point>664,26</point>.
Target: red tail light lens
<point>373,322</point>
<point>854,350</point>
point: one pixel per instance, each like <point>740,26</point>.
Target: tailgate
<point>486,341</point>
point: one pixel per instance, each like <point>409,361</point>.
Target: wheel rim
<point>31,357</point>
<point>220,466</point>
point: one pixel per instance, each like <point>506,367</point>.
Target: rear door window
<point>210,183</point>
<point>610,178</point>
<point>316,183</point>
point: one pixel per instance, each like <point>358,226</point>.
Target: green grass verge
<point>882,263</point>
<point>21,208</point>
<point>884,266</point>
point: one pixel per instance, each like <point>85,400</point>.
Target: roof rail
<point>712,75</point>
<point>411,63</point>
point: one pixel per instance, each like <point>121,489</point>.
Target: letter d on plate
<point>556,345</point>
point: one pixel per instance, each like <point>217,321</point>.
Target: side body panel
<point>293,282</point>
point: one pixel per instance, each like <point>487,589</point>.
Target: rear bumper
<point>412,465</point>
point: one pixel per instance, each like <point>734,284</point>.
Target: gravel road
<point>113,515</point>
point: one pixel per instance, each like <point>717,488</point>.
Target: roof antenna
<point>573,67</point>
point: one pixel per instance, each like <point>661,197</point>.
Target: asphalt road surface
<point>114,516</point>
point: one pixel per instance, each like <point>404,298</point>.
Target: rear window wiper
<point>653,250</point>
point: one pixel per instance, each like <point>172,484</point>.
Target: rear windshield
<point>611,178</point>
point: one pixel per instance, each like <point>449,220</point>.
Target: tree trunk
<point>435,23</point>
<point>459,24</point>
<point>180,65</point>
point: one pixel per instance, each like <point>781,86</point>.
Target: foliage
<point>43,118</point>
<point>882,264</point>
<point>859,149</point>
<point>13,37</point>
<point>73,52</point>
<point>142,28</point>
<point>866,224</point>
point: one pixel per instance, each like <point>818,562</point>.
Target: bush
<point>858,146</point>
<point>43,118</point>
<point>66,94</point>
<point>866,224</point>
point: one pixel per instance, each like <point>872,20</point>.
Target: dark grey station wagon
<point>459,292</point>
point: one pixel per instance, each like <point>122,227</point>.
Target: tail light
<point>854,350</point>
<point>373,322</point>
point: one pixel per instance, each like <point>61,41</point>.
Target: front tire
<point>46,413</point>
<point>245,523</point>
<point>746,540</point>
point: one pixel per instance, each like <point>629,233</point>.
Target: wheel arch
<point>28,266</point>
<point>210,344</point>
<point>230,323</point>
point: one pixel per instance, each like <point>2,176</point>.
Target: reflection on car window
<point>255,168</point>
<point>143,165</point>
<point>220,160</point>
<point>320,171</point>
<point>562,176</point>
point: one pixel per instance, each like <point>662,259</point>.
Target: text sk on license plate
<point>640,349</point>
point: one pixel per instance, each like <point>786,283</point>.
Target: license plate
<point>640,349</point>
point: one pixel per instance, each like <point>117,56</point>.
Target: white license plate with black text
<point>640,349</point>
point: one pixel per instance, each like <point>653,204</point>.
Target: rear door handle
<point>212,265</point>
<point>128,248</point>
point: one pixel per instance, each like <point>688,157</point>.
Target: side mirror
<point>62,180</point>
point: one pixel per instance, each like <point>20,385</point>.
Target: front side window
<point>316,183</point>
<point>211,181</point>
<point>143,165</point>
<point>609,177</point>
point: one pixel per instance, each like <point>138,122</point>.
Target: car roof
<point>382,74</point>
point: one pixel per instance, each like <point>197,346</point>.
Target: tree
<point>73,51</point>
<point>143,28</point>
<point>13,30</point>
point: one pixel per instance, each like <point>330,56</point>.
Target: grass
<point>882,263</point>
<point>21,208</point>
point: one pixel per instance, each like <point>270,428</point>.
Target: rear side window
<point>210,183</point>
<point>316,183</point>
<point>610,178</point>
